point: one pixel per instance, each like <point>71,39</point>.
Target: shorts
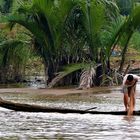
<point>128,89</point>
<point>124,89</point>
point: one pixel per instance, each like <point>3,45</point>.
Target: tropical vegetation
<point>74,39</point>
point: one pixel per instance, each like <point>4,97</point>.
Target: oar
<point>90,108</point>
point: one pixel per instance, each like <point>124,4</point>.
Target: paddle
<point>90,108</point>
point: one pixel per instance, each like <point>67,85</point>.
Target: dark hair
<point>130,78</point>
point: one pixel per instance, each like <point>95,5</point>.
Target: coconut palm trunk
<point>124,52</point>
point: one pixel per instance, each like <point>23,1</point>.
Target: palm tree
<point>94,18</point>
<point>130,26</point>
<point>69,32</point>
<point>45,19</point>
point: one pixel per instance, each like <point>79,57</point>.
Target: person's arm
<point>136,77</point>
<point>124,80</point>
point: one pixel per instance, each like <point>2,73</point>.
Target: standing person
<point>129,89</point>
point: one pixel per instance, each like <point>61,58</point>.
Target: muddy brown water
<point>57,126</point>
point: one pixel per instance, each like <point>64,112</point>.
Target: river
<point>57,126</point>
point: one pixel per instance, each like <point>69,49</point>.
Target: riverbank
<point>55,91</point>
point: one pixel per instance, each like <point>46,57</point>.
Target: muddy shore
<point>55,91</point>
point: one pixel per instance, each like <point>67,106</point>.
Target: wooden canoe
<point>36,108</point>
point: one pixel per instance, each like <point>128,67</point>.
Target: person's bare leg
<point>125,99</point>
<point>132,102</point>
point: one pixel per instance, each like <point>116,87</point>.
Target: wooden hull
<point>37,108</point>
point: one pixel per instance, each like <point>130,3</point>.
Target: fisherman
<point>129,90</point>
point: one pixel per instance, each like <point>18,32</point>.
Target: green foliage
<point>135,40</point>
<point>110,35</point>
<point>70,31</point>
<point>74,37</point>
<point>47,20</point>
<point>125,6</point>
<point>94,19</point>
<point>5,6</point>
<point>13,51</point>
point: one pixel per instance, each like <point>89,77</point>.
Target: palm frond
<point>13,51</point>
<point>111,34</point>
<point>66,71</point>
<point>86,79</point>
<point>93,20</point>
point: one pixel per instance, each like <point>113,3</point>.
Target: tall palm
<point>45,19</point>
<point>132,23</point>
<point>94,18</point>
<point>127,26</point>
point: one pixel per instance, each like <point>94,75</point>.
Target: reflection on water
<point>15,125</point>
<point>56,126</point>
<point>129,119</point>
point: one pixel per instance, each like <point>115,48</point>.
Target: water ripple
<point>46,126</point>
